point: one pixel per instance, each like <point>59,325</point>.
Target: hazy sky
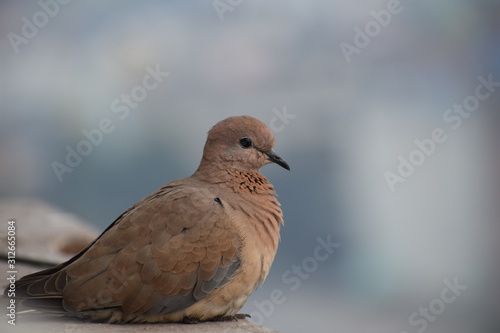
<point>385,110</point>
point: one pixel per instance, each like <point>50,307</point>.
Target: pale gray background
<point>352,122</point>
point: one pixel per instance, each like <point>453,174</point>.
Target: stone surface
<point>43,232</point>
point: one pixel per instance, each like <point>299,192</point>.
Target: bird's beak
<point>275,158</point>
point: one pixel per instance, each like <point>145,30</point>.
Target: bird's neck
<point>241,181</point>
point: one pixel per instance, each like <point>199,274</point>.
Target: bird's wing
<point>167,252</point>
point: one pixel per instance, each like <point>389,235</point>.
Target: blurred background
<point>347,87</point>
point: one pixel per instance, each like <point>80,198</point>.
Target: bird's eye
<point>246,142</point>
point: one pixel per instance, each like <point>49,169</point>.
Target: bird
<point>190,252</point>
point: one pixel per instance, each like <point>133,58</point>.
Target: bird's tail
<point>41,290</point>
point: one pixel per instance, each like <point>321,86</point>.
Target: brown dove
<point>192,251</point>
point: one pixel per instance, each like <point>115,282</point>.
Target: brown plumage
<point>192,251</point>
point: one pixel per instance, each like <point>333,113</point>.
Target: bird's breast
<point>257,219</point>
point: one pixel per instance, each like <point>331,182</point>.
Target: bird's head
<point>241,142</point>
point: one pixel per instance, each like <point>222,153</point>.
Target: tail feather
<point>55,283</point>
<point>42,290</point>
<point>44,287</point>
<point>44,304</point>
